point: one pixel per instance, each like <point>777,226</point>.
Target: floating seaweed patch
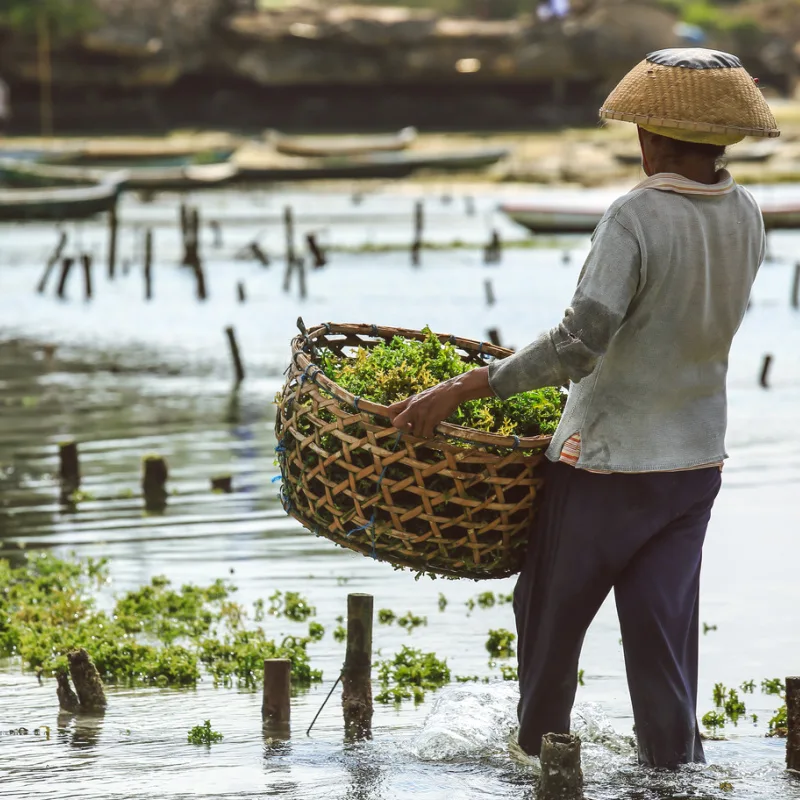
<point>500,643</point>
<point>203,734</point>
<point>409,675</point>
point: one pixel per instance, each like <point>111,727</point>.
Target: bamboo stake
<point>52,261</point>
<point>356,683</point>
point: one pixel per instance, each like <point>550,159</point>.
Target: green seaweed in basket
<point>395,370</point>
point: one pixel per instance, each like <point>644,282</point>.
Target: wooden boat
<point>25,174</point>
<point>546,217</point>
<point>60,203</point>
<point>375,165</point>
<point>323,146</point>
<point>120,160</point>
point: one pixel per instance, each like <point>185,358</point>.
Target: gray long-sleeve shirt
<point>645,341</point>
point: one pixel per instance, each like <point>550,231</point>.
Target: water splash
<point>473,720</point>
<point>466,722</point>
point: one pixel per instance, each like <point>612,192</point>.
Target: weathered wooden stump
<point>66,266</point>
<point>320,260</point>
<point>67,699</point>
<point>562,776</point>
<point>493,251</point>
<point>113,229</point>
<point>419,227</point>
<point>87,682</point>
<point>291,258</point>
<point>276,698</point>
<point>222,483</point>
<point>154,482</point>
<point>494,337</point>
<point>235,355</point>
<point>241,292</point>
<point>793,724</point>
<point>765,367</point>
<point>69,468</point>
<point>86,263</point>
<point>52,261</point>
<point>356,681</point>
<point>148,264</point>
<point>490,298</point>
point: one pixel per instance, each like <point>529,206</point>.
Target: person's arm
<point>608,283</point>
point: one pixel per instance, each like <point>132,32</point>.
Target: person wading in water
<point>634,468</point>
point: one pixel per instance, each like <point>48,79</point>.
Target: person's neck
<point>701,172</point>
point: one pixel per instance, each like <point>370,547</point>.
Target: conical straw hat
<point>694,94</point>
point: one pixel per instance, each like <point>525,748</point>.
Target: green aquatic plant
<point>486,599</point>
<point>773,686</point>
<point>509,672</point>
<point>339,633</point>
<point>713,721</point>
<point>500,643</point>
<point>386,616</point>
<point>734,707</point>
<point>316,631</point>
<point>239,658</point>
<point>291,605</point>
<point>442,602</point>
<point>409,675</point>
<point>720,693</point>
<point>748,687</point>
<point>708,628</point>
<point>202,734</point>
<point>410,621</point>
<point>505,599</point>
<point>779,724</point>
<point>155,635</point>
<point>580,678</point>
<point>394,370</point>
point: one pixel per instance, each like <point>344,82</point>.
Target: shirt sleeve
<point>608,283</point>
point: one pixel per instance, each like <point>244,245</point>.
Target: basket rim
<point>302,360</point>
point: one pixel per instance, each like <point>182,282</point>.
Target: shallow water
<point>129,377</point>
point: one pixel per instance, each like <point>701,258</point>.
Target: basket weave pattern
<point>458,505</point>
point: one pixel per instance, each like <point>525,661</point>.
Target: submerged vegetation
<point>202,734</point>
<point>409,675</point>
<point>500,643</point>
<point>731,708</point>
<point>155,635</point>
<point>395,370</point>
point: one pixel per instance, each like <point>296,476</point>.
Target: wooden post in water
<point>148,264</point>
<point>320,260</point>
<point>356,682</point>
<point>562,776</point>
<point>154,482</point>
<point>235,356</point>
<point>87,682</point>
<point>494,250</point>
<point>66,266</point>
<point>793,724</point>
<point>52,261</point>
<point>795,295</point>
<point>764,379</point>
<point>241,293</point>
<point>487,285</point>
<point>113,230</point>
<point>288,221</point>
<point>300,266</point>
<point>69,468</point>
<point>419,225</point>
<point>217,230</point>
<point>222,483</point>
<point>259,254</point>
<point>86,263</point>
<point>276,698</point>
<point>494,337</point>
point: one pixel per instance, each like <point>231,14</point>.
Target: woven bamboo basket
<point>458,505</point>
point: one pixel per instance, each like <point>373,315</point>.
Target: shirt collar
<point>671,182</point>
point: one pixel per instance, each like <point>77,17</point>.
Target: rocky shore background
<point>152,65</point>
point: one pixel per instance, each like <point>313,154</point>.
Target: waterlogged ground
<point>126,378</point>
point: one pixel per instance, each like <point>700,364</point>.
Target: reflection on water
<point>126,378</point>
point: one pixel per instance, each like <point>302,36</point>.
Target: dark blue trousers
<point>642,536</point>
